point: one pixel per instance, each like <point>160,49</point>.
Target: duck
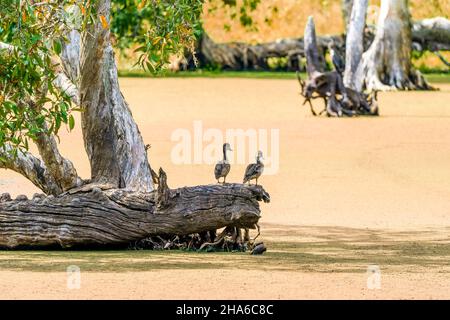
<point>254,170</point>
<point>223,167</point>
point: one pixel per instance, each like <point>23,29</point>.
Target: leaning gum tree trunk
<point>387,63</point>
<point>118,204</point>
<point>112,139</point>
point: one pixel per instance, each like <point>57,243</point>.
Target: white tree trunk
<point>355,45</point>
<point>387,63</point>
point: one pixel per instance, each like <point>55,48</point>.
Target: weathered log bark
<point>95,217</point>
<point>387,63</point>
<point>112,139</point>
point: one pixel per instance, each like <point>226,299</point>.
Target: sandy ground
<point>385,173</point>
<point>219,284</point>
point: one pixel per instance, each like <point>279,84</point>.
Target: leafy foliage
<point>30,104</point>
<point>159,28</point>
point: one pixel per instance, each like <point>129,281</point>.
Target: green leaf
<point>57,47</point>
<point>71,122</point>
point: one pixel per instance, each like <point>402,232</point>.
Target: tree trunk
<point>94,217</point>
<point>355,45</point>
<point>312,53</point>
<point>347,6</point>
<point>387,63</point>
<point>112,139</point>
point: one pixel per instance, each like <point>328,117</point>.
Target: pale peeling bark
<point>355,45</point>
<point>70,56</point>
<point>31,168</point>
<point>112,139</point>
<point>117,217</point>
<point>387,63</point>
<point>64,84</point>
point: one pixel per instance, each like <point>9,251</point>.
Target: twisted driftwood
<point>339,100</point>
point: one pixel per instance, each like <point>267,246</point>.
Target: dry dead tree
<point>339,100</point>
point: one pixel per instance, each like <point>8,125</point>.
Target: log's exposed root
<point>231,239</point>
<point>338,100</point>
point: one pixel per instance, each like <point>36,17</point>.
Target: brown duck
<point>254,170</point>
<point>223,167</point>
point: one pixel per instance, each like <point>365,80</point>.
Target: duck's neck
<point>258,160</point>
<point>224,153</point>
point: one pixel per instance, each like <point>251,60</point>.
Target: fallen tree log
<point>431,34</point>
<point>243,56</point>
<point>427,35</point>
<point>92,217</point>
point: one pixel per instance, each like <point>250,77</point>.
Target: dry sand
<point>385,173</point>
<point>220,284</point>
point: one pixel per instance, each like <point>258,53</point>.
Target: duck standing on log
<point>223,167</point>
<point>254,170</point>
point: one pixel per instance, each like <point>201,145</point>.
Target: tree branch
<point>62,170</point>
<point>64,84</point>
<point>31,168</point>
